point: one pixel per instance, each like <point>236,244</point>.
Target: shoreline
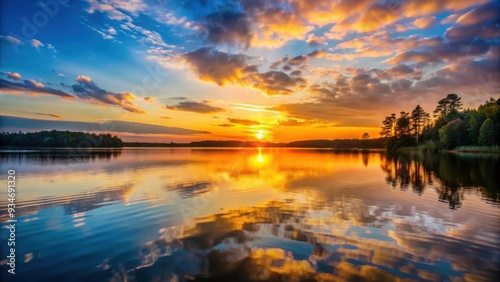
<point>460,149</point>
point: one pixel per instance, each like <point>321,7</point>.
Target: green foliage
<point>452,127</point>
<point>453,134</point>
<point>487,134</point>
<point>57,138</point>
<point>478,149</point>
<point>473,125</point>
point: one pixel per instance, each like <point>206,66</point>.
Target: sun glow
<point>260,158</point>
<point>260,134</point>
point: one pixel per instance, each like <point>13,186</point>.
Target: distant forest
<point>377,143</point>
<point>55,138</point>
<point>452,127</point>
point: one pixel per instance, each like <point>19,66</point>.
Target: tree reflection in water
<point>451,175</point>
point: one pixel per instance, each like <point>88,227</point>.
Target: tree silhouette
<point>388,126</point>
<point>55,138</point>
<point>418,118</point>
<point>403,125</point>
<point>446,105</point>
<point>366,136</point>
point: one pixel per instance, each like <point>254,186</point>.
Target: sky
<point>275,70</point>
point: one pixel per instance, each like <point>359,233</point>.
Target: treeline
<point>55,138</point>
<point>376,143</point>
<point>452,126</point>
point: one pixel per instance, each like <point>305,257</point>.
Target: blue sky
<point>237,68</point>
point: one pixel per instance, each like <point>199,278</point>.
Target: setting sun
<point>260,134</point>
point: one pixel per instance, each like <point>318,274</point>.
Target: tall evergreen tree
<point>388,126</point>
<point>447,105</point>
<point>403,125</point>
<point>418,116</point>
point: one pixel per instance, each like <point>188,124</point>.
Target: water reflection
<point>72,204</point>
<point>55,156</point>
<point>255,215</point>
<point>451,175</point>
<point>346,240</point>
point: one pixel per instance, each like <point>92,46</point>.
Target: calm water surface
<point>189,214</point>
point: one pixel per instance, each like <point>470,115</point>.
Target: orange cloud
<point>222,68</point>
<point>14,76</point>
<point>215,66</point>
<point>450,19</point>
<point>414,56</point>
<point>424,22</point>
<point>428,7</point>
<point>322,12</point>
<point>276,27</point>
<point>478,15</point>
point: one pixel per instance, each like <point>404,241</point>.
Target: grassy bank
<point>431,147</point>
<point>477,149</point>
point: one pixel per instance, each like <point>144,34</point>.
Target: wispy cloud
<point>87,89</point>
<point>16,123</point>
<point>32,87</point>
<point>36,43</point>
<point>245,122</point>
<point>11,39</point>
<point>202,107</point>
<point>50,115</point>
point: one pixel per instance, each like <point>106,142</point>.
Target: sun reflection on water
<point>270,214</point>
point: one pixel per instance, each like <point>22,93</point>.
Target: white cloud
<point>36,43</point>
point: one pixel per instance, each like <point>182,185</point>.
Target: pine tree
<point>388,126</point>
<point>418,118</point>
<point>403,125</point>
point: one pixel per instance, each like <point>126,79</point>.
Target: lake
<point>255,214</point>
